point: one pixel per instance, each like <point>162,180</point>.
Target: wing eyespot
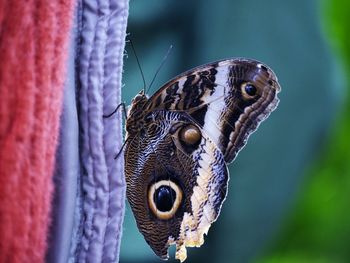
<point>248,90</point>
<point>164,198</point>
<point>190,135</point>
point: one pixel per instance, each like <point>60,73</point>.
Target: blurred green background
<point>289,192</point>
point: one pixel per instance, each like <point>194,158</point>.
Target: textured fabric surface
<point>103,26</point>
<point>90,196</point>
<point>33,44</point>
<point>67,167</point>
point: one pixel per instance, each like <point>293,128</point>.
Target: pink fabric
<point>34,36</point>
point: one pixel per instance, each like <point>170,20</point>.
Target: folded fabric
<point>90,188</point>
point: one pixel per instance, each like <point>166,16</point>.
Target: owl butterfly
<point>179,142</point>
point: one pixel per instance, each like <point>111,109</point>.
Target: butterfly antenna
<point>138,63</point>
<point>160,66</point>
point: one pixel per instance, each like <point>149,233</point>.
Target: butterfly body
<point>178,144</point>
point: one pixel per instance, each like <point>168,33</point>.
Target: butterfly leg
<point>116,109</point>
<point>120,151</point>
<point>111,114</point>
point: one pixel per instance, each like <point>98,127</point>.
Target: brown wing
<point>227,99</point>
<point>175,189</point>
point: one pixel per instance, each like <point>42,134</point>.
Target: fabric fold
<point>92,226</point>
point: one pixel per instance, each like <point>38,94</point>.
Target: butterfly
<point>179,142</point>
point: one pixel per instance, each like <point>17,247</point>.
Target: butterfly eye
<point>190,135</point>
<point>164,198</point>
<point>248,90</point>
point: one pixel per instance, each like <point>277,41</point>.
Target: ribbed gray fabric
<point>67,169</point>
<point>89,200</point>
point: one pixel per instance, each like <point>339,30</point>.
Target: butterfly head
<point>139,99</point>
<point>136,112</point>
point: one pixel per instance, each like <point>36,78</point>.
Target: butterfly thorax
<point>136,113</point>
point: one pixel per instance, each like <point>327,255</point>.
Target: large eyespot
<point>164,198</point>
<point>190,135</point>
<point>248,90</point>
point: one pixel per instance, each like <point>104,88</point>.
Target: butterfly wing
<point>227,99</point>
<point>177,186</point>
<point>178,144</point>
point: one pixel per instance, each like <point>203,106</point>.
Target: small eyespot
<point>164,198</point>
<point>248,90</point>
<point>190,135</point>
